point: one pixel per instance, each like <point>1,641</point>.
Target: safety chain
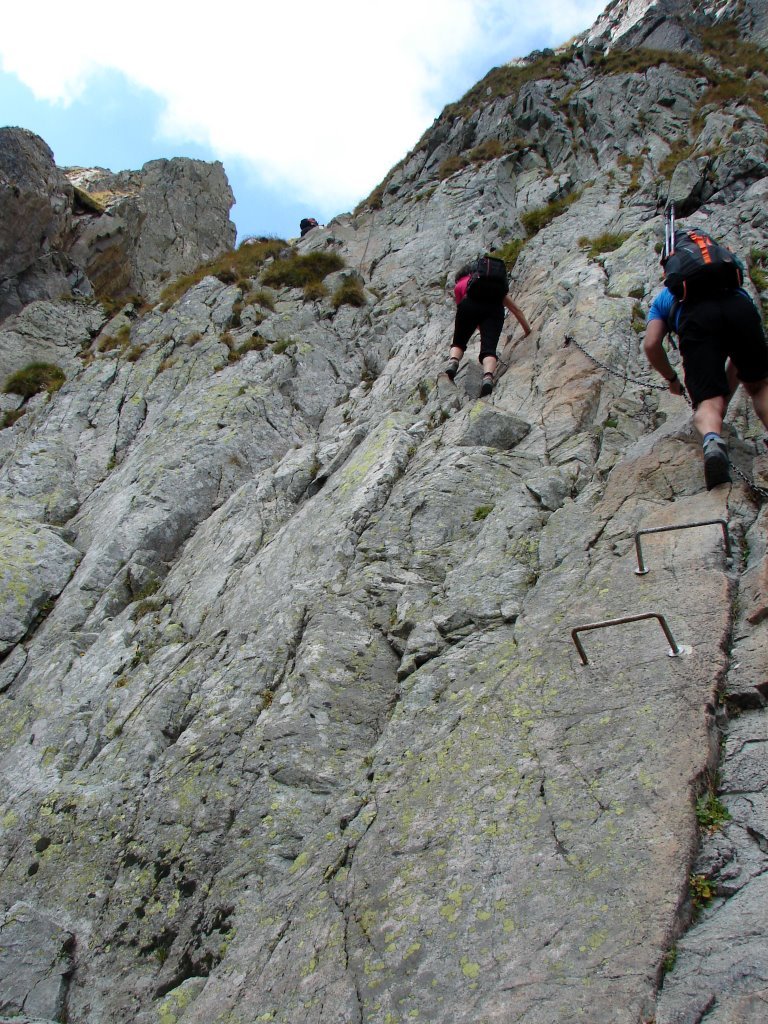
<point>570,340</point>
<point>760,491</point>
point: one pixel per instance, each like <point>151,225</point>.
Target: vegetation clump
<point>711,814</point>
<point>702,891</point>
<point>635,165</point>
<point>34,378</point>
<point>491,149</point>
<point>120,339</point>
<point>253,344</point>
<point>679,152</point>
<point>639,319</point>
<point>235,265</point>
<point>534,220</point>
<point>11,417</point>
<point>670,959</point>
<point>510,252</point>
<point>606,242</point>
<point>507,80</point>
<point>350,292</point>
<point>261,297</point>
<point>450,166</point>
<point>758,269</point>
<point>315,290</point>
<point>299,270</point>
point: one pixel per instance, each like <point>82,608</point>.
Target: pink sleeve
<point>460,289</point>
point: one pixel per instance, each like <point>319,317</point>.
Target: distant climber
<point>306,224</point>
<point>481,293</point>
<point>722,342</point>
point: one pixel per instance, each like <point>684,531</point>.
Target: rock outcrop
<point>157,223</point>
<point>84,232</point>
<point>293,726</point>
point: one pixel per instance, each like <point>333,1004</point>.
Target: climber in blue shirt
<point>722,344</point>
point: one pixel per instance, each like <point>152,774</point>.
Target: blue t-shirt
<point>661,309</point>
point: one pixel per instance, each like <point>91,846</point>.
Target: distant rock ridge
<point>662,24</point>
<point>293,727</point>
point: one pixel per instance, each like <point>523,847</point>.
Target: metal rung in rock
<point>641,569</point>
<point>675,650</point>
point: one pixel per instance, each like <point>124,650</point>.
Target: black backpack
<point>488,280</point>
<point>698,265</point>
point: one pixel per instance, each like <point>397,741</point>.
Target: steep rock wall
<point>293,726</point>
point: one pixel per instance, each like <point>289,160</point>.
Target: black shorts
<point>488,316</point>
<point>713,328</point>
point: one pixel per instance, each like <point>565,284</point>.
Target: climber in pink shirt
<point>481,293</point>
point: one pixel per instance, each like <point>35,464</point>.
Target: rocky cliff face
<point>70,233</point>
<point>293,725</point>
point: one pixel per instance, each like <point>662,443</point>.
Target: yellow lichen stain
<point>10,818</point>
<point>309,968</point>
<point>301,861</point>
<point>468,968</point>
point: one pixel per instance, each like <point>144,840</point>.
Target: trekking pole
<point>669,231</point>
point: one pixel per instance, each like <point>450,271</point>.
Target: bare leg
<point>489,368</point>
<point>733,381</point>
<point>758,392</point>
<point>708,416</point>
<point>708,420</point>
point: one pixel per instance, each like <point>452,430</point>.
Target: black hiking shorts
<point>487,316</point>
<point>711,329</point>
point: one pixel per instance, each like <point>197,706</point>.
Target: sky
<point>306,104</point>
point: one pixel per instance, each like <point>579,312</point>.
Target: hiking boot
<point>487,386</point>
<point>716,464</point>
<point>452,368</point>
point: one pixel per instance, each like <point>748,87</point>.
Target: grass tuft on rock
<point>233,266</point>
<point>606,242</point>
<point>33,379</point>
<point>510,252</point>
<point>350,292</point>
<point>535,220</point>
<point>298,270</point>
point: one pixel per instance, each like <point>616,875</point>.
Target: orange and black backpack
<point>698,265</point>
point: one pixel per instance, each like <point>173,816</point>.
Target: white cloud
<point>320,98</point>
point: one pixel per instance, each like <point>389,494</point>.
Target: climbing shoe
<point>716,464</point>
<point>487,386</point>
<point>452,368</point>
